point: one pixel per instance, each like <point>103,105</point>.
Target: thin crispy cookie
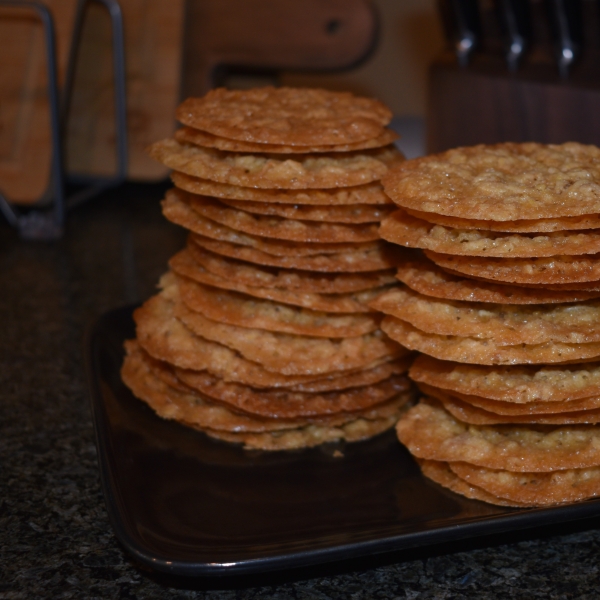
<point>430,432</point>
<point>352,214</point>
<point>283,228</point>
<point>475,415</point>
<point>285,404</point>
<point>441,473</point>
<point>357,302</point>
<point>271,171</point>
<point>165,338</point>
<point>511,324</point>
<point>508,408</point>
<point>502,182</point>
<point>294,116</point>
<point>147,381</point>
<point>369,193</point>
<point>427,278</point>
<point>292,354</point>
<point>361,427</point>
<point>189,135</point>
<point>533,489</point>
<point>357,260</point>
<point>226,306</point>
<point>484,352</point>
<point>519,384</point>
<point>177,208</point>
<point>518,226</point>
<point>253,275</point>
<point>553,270</point>
<point>190,408</point>
<point>406,230</point>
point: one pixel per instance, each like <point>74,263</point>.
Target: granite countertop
<point>55,536</point>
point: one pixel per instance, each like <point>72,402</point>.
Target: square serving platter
<point>184,504</point>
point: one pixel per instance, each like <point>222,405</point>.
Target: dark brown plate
<point>184,504</point>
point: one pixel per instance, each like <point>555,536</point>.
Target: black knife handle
<point>463,26</point>
<point>566,21</point>
<point>515,16</point>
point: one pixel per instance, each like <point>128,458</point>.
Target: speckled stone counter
<point>55,538</point>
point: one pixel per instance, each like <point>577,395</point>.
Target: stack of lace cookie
<point>503,302</point>
<point>262,333</point>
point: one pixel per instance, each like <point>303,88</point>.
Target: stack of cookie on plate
<point>503,302</point>
<point>262,333</point>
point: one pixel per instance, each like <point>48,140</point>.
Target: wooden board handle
<point>273,35</point>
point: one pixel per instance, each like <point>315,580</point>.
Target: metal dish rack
<point>47,222</point>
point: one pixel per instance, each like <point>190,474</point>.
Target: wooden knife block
<point>485,103</point>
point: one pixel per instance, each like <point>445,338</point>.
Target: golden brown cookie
<point>274,171</point>
<point>293,116</point>
<point>475,415</point>
<point>441,473</point>
<point>427,278</point>
<point>165,338</point>
<point>520,384</point>
<point>193,409</point>
<point>407,230</point>
<point>555,270</point>
<point>361,259</point>
<point>431,433</point>
<point>177,208</point>
<point>502,182</point>
<point>534,489</point>
<point>190,408</point>
<point>351,213</point>
<point>360,427</point>
<point>234,308</point>
<point>297,281</point>
<point>285,404</point>
<point>508,408</point>
<point>518,226</point>
<point>505,324</point>
<point>292,354</point>
<point>370,193</point>
<point>484,351</point>
<point>189,135</point>
<point>283,228</point>
<point>356,302</point>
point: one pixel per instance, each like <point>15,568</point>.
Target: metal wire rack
<point>45,220</point>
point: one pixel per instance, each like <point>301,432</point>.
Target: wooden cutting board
<point>166,57</point>
<point>153,40</point>
<point>25,134</point>
<point>275,35</point>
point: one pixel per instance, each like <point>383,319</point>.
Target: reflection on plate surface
<point>183,503</point>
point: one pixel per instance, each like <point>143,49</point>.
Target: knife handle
<point>515,16</point>
<point>566,21</point>
<point>463,26</point>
